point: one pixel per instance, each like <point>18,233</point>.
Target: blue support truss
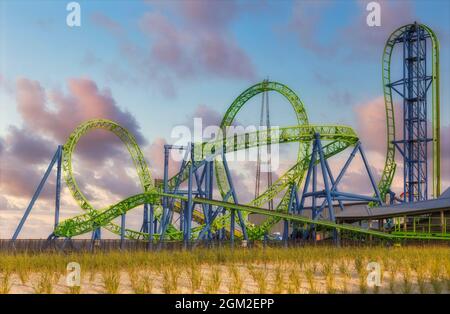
<point>55,160</point>
<point>200,181</point>
<point>330,192</point>
<point>198,178</point>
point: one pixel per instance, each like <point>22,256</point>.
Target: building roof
<point>415,208</point>
<point>445,194</point>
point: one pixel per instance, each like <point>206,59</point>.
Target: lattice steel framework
<point>414,39</point>
<point>413,88</point>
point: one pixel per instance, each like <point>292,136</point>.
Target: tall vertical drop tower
<point>413,89</point>
<point>419,77</point>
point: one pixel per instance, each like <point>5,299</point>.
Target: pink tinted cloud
<point>27,145</point>
<point>201,44</point>
<point>209,14</point>
<point>209,116</point>
<point>371,123</point>
<point>106,22</point>
<point>223,56</point>
<point>5,204</point>
<point>84,101</point>
<point>48,117</point>
<point>2,147</point>
<point>22,163</point>
<point>155,155</point>
<point>170,46</point>
<point>371,129</point>
<point>184,41</point>
<point>445,156</point>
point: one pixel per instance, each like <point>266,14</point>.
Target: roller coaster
<point>182,207</point>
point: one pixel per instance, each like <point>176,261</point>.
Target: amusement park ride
<point>182,207</point>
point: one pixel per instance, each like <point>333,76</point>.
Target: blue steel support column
<point>235,199</point>
<point>93,236</point>
<point>233,212</point>
<point>183,205</point>
<point>206,208</point>
<point>232,220</point>
<point>347,164</point>
<point>308,177</point>
<point>189,207</point>
<point>96,234</point>
<point>145,219</point>
<point>325,177</point>
<point>314,188</point>
<point>162,224</point>
<point>206,230</point>
<point>151,228</point>
<point>314,191</point>
<point>333,185</point>
<point>204,180</point>
<point>369,172</point>
<point>286,222</point>
<point>209,194</point>
<point>35,195</point>
<point>58,186</point>
<point>211,191</point>
<point>199,180</point>
<point>122,231</point>
<point>297,201</point>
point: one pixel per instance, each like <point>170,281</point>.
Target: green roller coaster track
<point>341,137</point>
<point>338,139</point>
<point>293,176</point>
<point>390,164</point>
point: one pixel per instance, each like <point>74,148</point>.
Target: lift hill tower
<point>413,88</point>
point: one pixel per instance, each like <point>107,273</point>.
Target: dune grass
<point>313,269</point>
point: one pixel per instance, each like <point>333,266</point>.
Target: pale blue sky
<point>36,43</point>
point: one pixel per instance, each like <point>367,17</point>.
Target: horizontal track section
<point>82,226</point>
